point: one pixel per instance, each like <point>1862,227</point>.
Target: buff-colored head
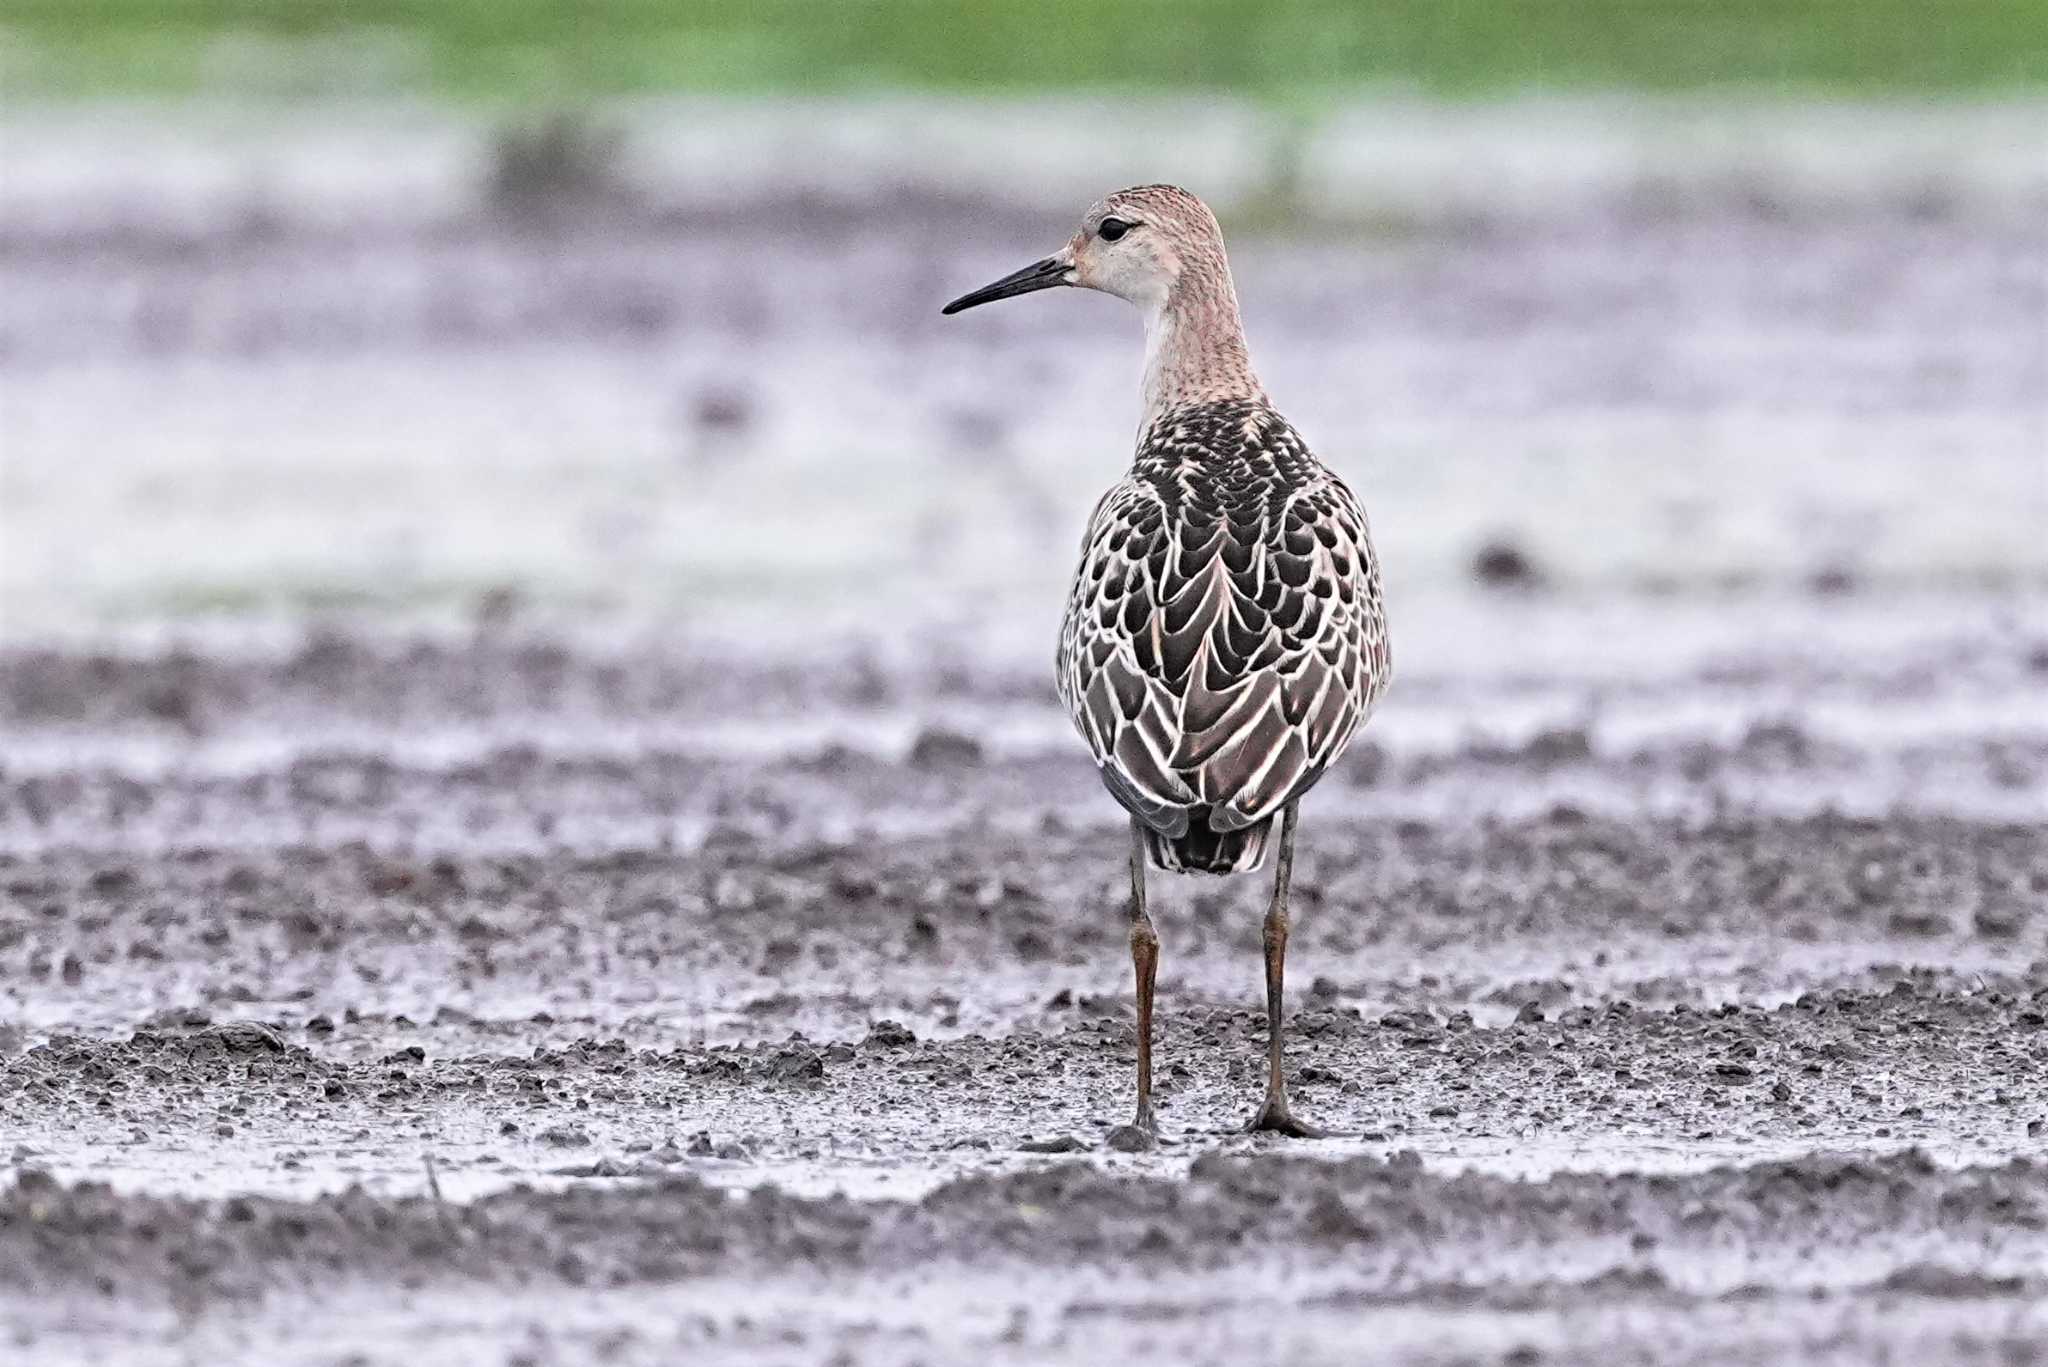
<point>1159,247</point>
<point>1143,244</point>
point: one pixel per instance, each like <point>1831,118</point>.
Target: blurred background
<point>1690,356</point>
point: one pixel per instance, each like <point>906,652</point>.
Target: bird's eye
<point>1110,229</point>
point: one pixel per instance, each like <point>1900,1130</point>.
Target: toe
<point>1277,1119</point>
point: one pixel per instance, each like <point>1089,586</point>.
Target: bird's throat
<point>1195,351</point>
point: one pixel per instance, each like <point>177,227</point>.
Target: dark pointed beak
<point>1039,275</point>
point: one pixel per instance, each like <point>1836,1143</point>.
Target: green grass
<point>1285,50</point>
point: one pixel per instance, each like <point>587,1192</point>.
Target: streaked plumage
<point>1225,638</point>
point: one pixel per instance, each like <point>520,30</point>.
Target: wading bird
<point>1225,637</point>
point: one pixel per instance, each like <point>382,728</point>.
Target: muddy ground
<point>534,828</point>
<point>549,1050</point>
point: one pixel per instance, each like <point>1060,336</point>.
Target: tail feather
<point>1201,850</point>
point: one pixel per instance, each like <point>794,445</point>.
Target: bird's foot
<point>1140,1136</point>
<point>1275,1118</point>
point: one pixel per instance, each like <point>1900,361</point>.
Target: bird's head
<point>1138,244</point>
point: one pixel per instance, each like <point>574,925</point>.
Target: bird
<point>1226,633</point>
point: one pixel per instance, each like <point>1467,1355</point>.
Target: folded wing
<point>1223,641</point>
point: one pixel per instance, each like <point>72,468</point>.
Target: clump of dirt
<point>1504,564</point>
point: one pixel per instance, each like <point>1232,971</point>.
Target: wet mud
<point>319,1047</point>
<point>534,827</point>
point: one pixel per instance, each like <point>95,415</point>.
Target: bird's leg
<point>1274,1115</point>
<point>1143,1129</point>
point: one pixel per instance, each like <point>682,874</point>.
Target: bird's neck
<point>1194,345</point>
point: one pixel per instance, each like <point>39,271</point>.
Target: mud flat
<point>1741,356</point>
<point>534,828</point>
<point>546,1022</point>
<point>1824,1259</point>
